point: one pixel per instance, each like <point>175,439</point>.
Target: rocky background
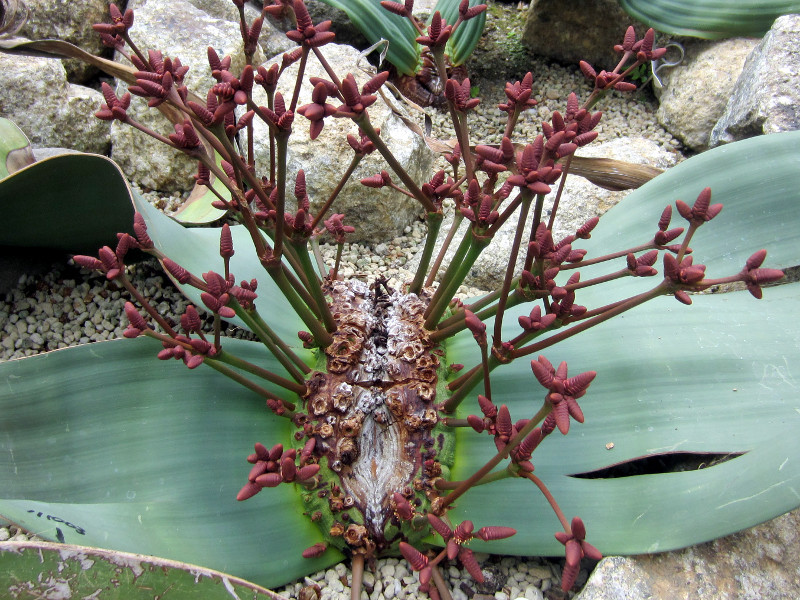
<point>720,92</point>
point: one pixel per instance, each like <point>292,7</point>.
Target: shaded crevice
<point>672,462</point>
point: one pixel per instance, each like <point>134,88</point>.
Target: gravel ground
<point>69,306</point>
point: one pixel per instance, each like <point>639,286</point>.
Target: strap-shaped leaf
<point>82,572</point>
<point>69,202</point>
<point>15,149</point>
<point>718,376</point>
<point>710,19</point>
<point>375,23</point>
<point>105,445</point>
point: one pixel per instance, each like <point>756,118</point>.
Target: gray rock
<point>35,94</point>
<point>377,214</point>
<point>766,97</point>
<point>177,28</point>
<point>760,563</point>
<point>578,30</point>
<point>580,201</point>
<point>696,92</point>
<point>71,22</point>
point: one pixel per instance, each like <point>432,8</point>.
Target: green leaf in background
<point>710,19</point>
<point>44,570</point>
<point>463,42</point>
<point>70,202</point>
<point>197,209</point>
<point>15,149</point>
<point>375,23</point>
<point>104,445</point>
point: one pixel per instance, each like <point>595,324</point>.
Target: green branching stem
<point>347,174</point>
<point>454,277</point>
<point>550,499</point>
<point>663,288</point>
<point>234,361</point>
<point>363,122</point>
<point>497,458</point>
<point>526,197</point>
<point>314,241</point>
<point>321,335</point>
<point>465,383</point>
<point>315,288</point>
<point>491,477</point>
<point>244,381</point>
<point>457,218</point>
<point>434,224</point>
<point>282,144</point>
<point>282,353</point>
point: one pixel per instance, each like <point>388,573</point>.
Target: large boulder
<point>178,29</point>
<point>71,22</point>
<point>377,214</point>
<point>577,30</point>
<point>35,94</point>
<point>696,92</point>
<point>759,564</point>
<point>766,97</point>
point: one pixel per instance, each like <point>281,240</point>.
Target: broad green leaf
<point>197,209</point>
<point>760,211</point>
<point>105,445</point>
<point>69,202</point>
<point>41,569</point>
<point>710,19</point>
<point>15,149</point>
<point>376,23</point>
<point>197,250</point>
<point>719,376</point>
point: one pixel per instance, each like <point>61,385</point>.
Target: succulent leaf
<point>710,19</point>
<point>153,489</point>
<point>83,570</point>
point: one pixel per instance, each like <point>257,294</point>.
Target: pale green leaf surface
<point>375,22</point>
<point>710,19</point>
<point>46,570</point>
<point>197,250</point>
<point>758,182</point>
<point>719,376</point>
<point>197,209</point>
<point>145,456</point>
<point>72,202</point>
<point>15,149</point>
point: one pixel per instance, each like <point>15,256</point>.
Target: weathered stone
<point>377,214</point>
<point>760,563</point>
<point>766,97</point>
<point>580,201</point>
<point>35,94</point>
<point>579,30</point>
<point>696,92</point>
<point>70,21</point>
<point>178,29</point>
